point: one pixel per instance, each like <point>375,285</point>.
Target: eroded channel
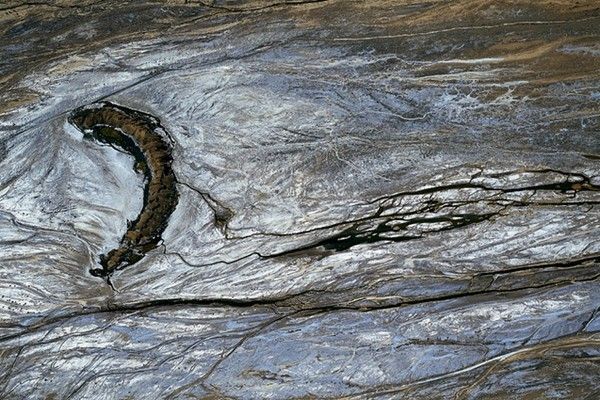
<point>142,136</point>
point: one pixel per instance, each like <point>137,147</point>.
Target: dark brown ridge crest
<point>142,136</point>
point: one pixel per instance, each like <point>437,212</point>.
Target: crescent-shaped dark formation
<point>142,136</point>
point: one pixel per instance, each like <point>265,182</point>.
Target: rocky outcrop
<point>137,134</point>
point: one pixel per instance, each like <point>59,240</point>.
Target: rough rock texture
<point>377,199</point>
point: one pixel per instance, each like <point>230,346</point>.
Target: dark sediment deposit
<point>140,135</point>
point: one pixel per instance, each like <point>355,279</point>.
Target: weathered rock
<point>376,199</point>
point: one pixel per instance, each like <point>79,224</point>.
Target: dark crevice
<point>567,187</point>
<point>222,214</point>
<point>453,296</point>
<point>288,304</point>
<point>212,4</point>
<point>589,320</point>
<point>385,231</point>
<point>390,230</point>
<point>573,262</point>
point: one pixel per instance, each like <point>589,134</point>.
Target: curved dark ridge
<point>142,136</point>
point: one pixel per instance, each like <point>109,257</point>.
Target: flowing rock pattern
<point>376,200</point>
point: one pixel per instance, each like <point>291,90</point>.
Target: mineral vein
<point>142,136</point>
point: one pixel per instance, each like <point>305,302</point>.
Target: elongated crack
<point>212,4</point>
<point>383,231</point>
<point>572,184</point>
<point>486,366</point>
<point>140,135</point>
<point>296,304</point>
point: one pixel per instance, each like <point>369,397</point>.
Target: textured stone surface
<point>378,199</point>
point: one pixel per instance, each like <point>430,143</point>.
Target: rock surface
<point>377,199</point>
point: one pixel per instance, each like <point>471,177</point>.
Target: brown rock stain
<point>138,134</point>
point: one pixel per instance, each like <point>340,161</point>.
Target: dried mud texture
<point>137,134</point>
<point>374,199</point>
